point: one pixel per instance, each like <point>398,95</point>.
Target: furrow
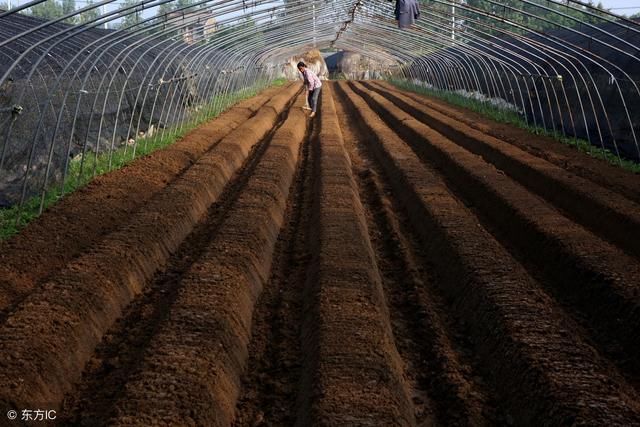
<point>352,372</point>
<point>53,332</point>
<point>75,223</point>
<point>532,352</point>
<point>119,354</point>
<point>444,384</point>
<point>592,274</point>
<point>567,157</point>
<point>192,367</point>
<point>271,385</point>
<point>607,214</point>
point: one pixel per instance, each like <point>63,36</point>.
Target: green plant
<point>511,117</point>
<point>80,173</point>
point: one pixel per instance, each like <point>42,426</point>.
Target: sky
<point>152,11</point>
<point>621,7</point>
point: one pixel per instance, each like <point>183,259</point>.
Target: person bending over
<point>313,84</point>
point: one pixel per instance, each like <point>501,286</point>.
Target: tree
<point>245,32</point>
<point>185,3</point>
<point>69,6</point>
<point>162,15</point>
<point>134,16</point>
<point>540,16</point>
<point>88,15</point>
<point>164,9</point>
<point>47,10</point>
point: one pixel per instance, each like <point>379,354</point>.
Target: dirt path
<point>383,264</point>
<point>446,386</point>
<point>270,385</point>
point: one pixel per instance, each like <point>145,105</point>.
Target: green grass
<point>511,117</point>
<point>338,76</point>
<point>13,219</point>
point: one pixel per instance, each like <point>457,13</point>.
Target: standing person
<point>313,84</point>
<point>407,11</point>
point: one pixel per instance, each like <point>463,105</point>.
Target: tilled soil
<point>71,226</point>
<point>390,262</point>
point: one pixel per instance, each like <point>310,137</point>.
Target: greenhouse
<point>321,212</point>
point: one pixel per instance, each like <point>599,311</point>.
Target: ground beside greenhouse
<point>397,261</point>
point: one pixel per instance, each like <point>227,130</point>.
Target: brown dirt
<point>52,332</point>
<point>445,384</point>
<point>608,214</point>
<point>123,347</point>
<point>72,225</point>
<point>191,369</point>
<point>598,171</point>
<point>270,385</point>
<point>352,372</point>
<point>509,314</point>
<point>381,265</point>
<point>580,264</point>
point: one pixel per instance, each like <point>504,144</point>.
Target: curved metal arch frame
<point>628,116</point>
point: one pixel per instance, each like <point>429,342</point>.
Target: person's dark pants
<point>313,98</point>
